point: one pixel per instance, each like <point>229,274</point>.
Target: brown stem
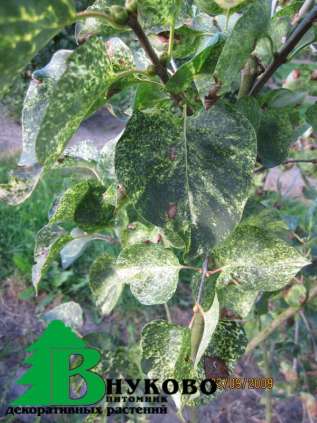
<point>278,321</point>
<point>281,56</point>
<point>160,69</point>
<point>289,161</point>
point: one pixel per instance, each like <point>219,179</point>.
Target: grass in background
<point>19,225</point>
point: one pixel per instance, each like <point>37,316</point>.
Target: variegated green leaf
<point>26,26</point>
<point>150,270</point>
<point>282,98</point>
<point>136,233</point>
<point>82,157</point>
<point>24,180</point>
<point>76,95</point>
<point>36,102</point>
<point>21,184</point>
<point>186,41</point>
<point>166,352</point>
<point>124,362</point>
<point>250,108</point>
<point>266,218</point>
<point>209,6</point>
<point>228,343</point>
<point>105,284</point>
<point>255,260</point>
<point>49,241</point>
<point>84,204</point>
<point>91,26</point>
<point>248,30</point>
<point>275,136</point>
<point>105,166</point>
<point>204,60</point>
<point>75,248</point>
<point>120,55</point>
<point>238,301</point>
<point>195,180</point>
<point>156,15</point>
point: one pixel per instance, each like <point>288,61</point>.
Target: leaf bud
<point>119,15</point>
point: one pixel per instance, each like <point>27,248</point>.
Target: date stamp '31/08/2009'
<point>226,383</point>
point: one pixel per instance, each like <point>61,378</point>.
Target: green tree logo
<point>51,370</point>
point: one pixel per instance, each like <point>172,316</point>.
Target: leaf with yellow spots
<point>254,259</point>
<point>150,270</point>
<point>26,26</point>
<point>194,178</point>
<point>68,90</point>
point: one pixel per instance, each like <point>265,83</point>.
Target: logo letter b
<point>61,373</point>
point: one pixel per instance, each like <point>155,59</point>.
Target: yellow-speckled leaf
<point>166,354</point>
<point>253,259</point>
<point>195,181</point>
<point>104,283</point>
<point>150,270</point>
<point>82,85</point>
<point>21,184</point>
<point>49,241</point>
<point>84,204</point>
<point>86,28</point>
<point>237,300</point>
<point>26,26</point>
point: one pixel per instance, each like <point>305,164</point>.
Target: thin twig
<point>277,322</point>
<point>202,280</point>
<point>159,67</point>
<point>288,161</point>
<point>281,56</point>
<point>168,313</point>
<point>296,336</point>
<point>307,5</point>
